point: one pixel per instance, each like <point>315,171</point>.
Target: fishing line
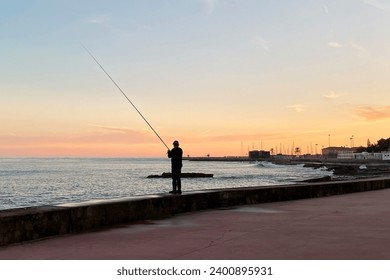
<point>124,94</point>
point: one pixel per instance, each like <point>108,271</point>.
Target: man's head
<point>176,143</point>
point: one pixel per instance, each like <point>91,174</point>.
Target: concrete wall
<point>18,225</point>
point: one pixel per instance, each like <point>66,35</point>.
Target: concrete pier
<point>19,225</point>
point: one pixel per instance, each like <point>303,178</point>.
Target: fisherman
<point>176,155</point>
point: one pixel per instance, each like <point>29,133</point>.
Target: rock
<point>315,180</point>
<point>183,175</point>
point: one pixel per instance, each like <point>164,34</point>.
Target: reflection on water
<point>50,181</point>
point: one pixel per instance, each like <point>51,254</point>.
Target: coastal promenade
<point>353,226</point>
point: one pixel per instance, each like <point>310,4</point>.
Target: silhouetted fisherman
<point>176,155</point>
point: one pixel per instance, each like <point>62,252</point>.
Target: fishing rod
<point>124,94</point>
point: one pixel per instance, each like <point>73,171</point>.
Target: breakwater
<point>19,225</point>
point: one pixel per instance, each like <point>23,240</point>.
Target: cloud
<point>113,128</point>
<point>334,45</point>
<point>332,95</point>
<point>244,137</point>
<point>209,6</point>
<point>361,51</point>
<point>260,41</point>
<point>105,135</point>
<point>111,133</point>
<point>371,113</point>
<point>297,107</point>
<point>380,4</point>
<point>326,10</point>
<point>99,19</point>
<point>96,21</point>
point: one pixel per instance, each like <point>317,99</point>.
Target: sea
<point>28,182</point>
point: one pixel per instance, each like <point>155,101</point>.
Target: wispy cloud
<point>245,137</point>
<point>334,45</point>
<point>380,4</point>
<point>371,113</point>
<point>209,6</point>
<point>326,10</point>
<point>102,19</point>
<point>361,51</point>
<point>116,129</point>
<point>260,41</point>
<point>331,95</point>
<point>297,107</point>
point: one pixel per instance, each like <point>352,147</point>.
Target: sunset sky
<point>220,76</point>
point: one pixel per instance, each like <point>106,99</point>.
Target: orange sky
<point>222,77</point>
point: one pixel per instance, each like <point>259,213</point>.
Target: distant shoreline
<point>343,169</point>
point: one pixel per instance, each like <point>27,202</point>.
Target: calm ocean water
<point>26,182</point>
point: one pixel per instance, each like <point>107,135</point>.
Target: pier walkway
<point>352,226</point>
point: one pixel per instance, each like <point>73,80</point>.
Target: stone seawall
<point>18,225</point>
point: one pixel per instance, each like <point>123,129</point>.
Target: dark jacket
<point>176,155</point>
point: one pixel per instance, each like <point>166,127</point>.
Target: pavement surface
<point>353,226</point>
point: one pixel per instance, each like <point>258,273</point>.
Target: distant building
<point>333,152</point>
<point>259,154</point>
<point>365,155</point>
<point>386,155</point>
<point>346,155</point>
<point>373,156</point>
<point>350,153</point>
